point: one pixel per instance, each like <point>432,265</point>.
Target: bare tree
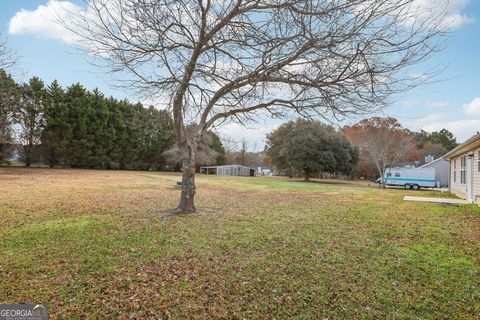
<point>8,99</point>
<point>8,57</point>
<point>217,61</point>
<point>230,146</point>
<point>384,140</point>
<point>206,155</point>
<point>30,118</point>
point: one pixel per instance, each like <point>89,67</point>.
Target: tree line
<point>79,128</point>
<point>365,149</point>
<point>384,143</point>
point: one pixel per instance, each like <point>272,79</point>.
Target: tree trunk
<point>51,163</point>
<point>187,197</point>
<point>307,175</point>
<point>28,159</point>
<point>52,159</point>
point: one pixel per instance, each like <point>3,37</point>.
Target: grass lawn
<point>91,244</point>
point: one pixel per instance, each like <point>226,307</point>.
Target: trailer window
<point>463,170</point>
<point>389,174</point>
<point>397,174</point>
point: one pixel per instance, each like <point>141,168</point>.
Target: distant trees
<point>311,147</point>
<point>57,131</point>
<point>29,115</point>
<point>80,128</point>
<point>85,129</point>
<point>210,150</point>
<point>8,57</point>
<point>9,96</point>
<point>443,138</point>
<point>220,61</point>
<point>383,141</point>
<point>9,99</point>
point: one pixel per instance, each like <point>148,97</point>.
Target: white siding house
<point>465,169</point>
<point>442,171</point>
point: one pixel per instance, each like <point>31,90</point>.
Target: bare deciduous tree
<point>206,155</point>
<point>30,118</point>
<point>8,99</point>
<point>218,61</point>
<point>384,140</point>
<point>8,57</point>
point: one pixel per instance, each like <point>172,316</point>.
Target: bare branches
<point>216,59</point>
<point>235,60</point>
<point>385,141</point>
<point>8,57</point>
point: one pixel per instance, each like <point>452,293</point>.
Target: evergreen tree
<point>312,147</point>
<point>57,131</point>
<point>100,133</point>
<point>158,136</point>
<point>79,116</point>
<point>218,147</point>
<point>9,101</point>
<point>30,117</point>
<point>130,139</point>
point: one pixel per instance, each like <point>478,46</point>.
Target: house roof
<point>468,145</point>
<point>432,162</point>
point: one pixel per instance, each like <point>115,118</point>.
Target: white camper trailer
<point>410,178</point>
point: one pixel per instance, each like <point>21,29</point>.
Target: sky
<point>451,100</point>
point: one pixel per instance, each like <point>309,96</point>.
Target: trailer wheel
<point>407,186</point>
<point>416,187</point>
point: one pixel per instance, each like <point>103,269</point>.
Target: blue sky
<point>452,101</point>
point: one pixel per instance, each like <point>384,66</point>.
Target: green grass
<point>92,244</point>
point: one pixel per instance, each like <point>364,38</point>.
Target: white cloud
<point>255,134</point>
<point>473,107</point>
<point>410,104</point>
<point>454,17</point>
<point>463,129</point>
<point>438,104</point>
<point>43,21</point>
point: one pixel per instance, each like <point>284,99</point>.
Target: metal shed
<point>229,170</point>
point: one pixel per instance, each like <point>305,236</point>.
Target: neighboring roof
<point>468,145</point>
<point>432,162</point>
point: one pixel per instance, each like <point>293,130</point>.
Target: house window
<point>463,170</point>
<point>397,174</point>
<point>478,160</point>
<point>455,170</point>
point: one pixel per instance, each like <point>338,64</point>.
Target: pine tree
<point>79,110</point>
<point>9,101</point>
<point>57,130</point>
<point>30,117</point>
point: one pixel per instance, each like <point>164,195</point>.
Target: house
<point>442,170</point>
<point>465,169</point>
<point>229,170</point>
